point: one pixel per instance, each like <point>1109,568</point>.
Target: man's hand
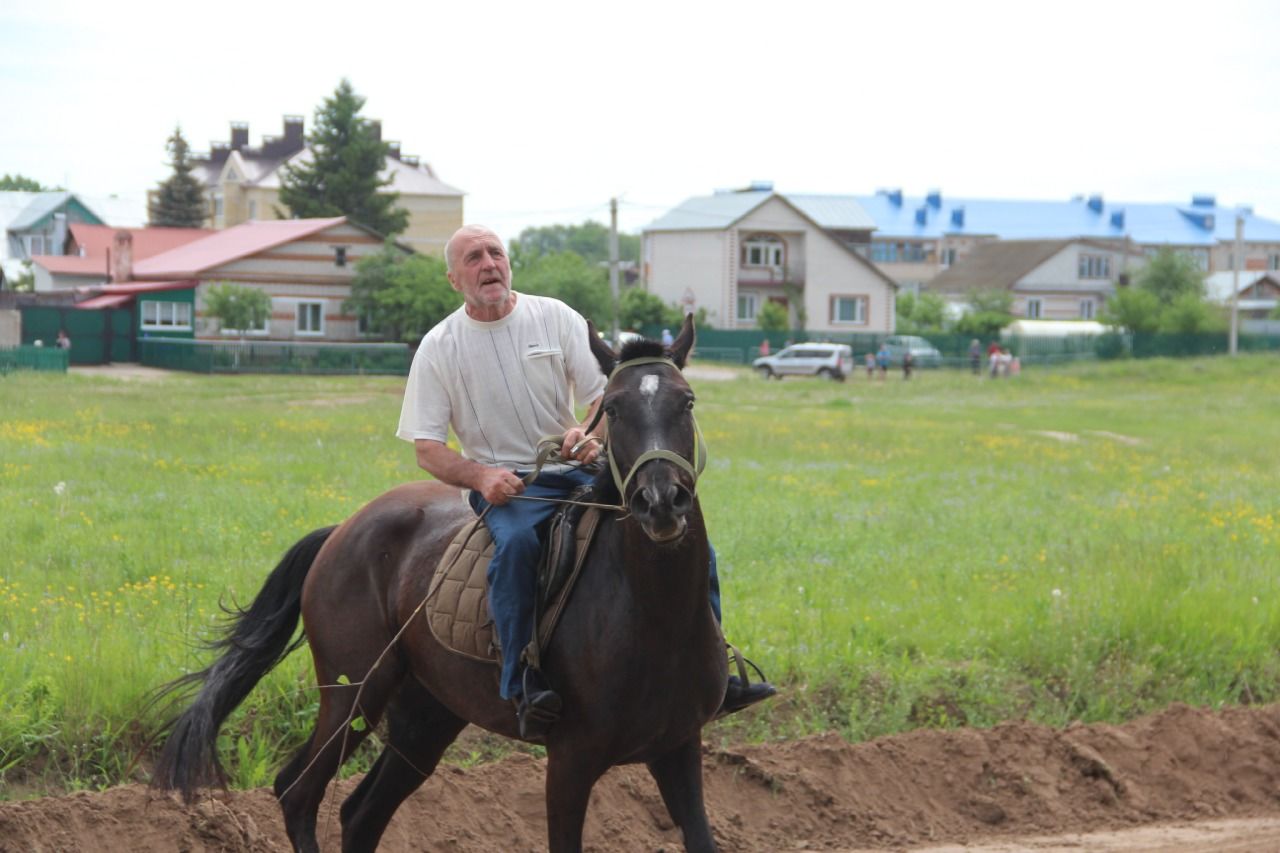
<point>580,445</point>
<point>498,485</point>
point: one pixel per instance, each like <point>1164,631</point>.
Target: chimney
<point>393,150</point>
<point>59,234</point>
<point>122,256</point>
<point>376,126</point>
<point>239,135</point>
<point>1095,203</point>
<point>934,199</point>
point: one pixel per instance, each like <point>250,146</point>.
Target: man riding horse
<point>503,371</point>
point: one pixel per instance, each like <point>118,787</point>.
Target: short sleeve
<point>584,370</point>
<point>425,411</point>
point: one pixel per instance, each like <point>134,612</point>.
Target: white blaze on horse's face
<point>649,387</point>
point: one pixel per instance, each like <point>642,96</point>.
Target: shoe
<point>537,709</point>
<point>739,694</point>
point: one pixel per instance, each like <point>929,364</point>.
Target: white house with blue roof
<point>733,252</point>
<point>913,239</point>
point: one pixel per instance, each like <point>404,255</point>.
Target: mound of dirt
<point>913,791</point>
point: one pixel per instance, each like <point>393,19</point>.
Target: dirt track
<point>1184,779</point>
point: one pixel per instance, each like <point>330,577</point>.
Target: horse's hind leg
<point>419,730</point>
<point>679,778</point>
<point>300,786</point>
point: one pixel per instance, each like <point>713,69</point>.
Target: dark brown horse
<point>638,656</point>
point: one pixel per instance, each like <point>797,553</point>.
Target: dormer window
<point>762,250</point>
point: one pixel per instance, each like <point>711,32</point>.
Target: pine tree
<point>180,201</point>
<point>341,178</point>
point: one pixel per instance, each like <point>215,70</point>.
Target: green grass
<point>1090,542</point>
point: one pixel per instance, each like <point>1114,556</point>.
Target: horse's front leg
<point>679,778</point>
<point>570,778</point>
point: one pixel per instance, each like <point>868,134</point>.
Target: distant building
<point>97,254</point>
<point>915,239</point>
<point>1049,279</point>
<point>1258,295</point>
<point>304,265</point>
<point>732,253</point>
<point>36,223</point>
<point>242,184</point>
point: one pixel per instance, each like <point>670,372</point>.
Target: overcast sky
<point>541,112</point>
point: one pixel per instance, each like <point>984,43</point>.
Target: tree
<point>21,183</point>
<point>567,276</point>
<point>1132,309</point>
<point>989,312</point>
<point>25,281</point>
<point>237,309</point>
<point>772,317</point>
<point>179,202</point>
<point>401,296</point>
<point>1170,275</point>
<point>920,314</point>
<point>638,308</point>
<point>1189,314</point>
<point>341,177</point>
<point>590,240</point>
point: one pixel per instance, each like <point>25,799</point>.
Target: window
<point>1201,257</point>
<point>310,318</point>
<point>948,257</point>
<point>253,208</point>
<point>1095,266</point>
<point>851,310</point>
<point>36,244</point>
<point>762,251</point>
<point>340,256</point>
<point>259,328</point>
<point>1273,261</point>
<point>889,252</point>
<point>1033,309</point>
<point>217,204</point>
<point>747,305</point>
<point>166,316</point>
<point>1086,309</point>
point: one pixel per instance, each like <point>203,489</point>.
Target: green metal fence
<point>34,358</point>
<point>742,346</point>
<point>273,357</point>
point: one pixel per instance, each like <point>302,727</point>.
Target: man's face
<point>481,271</point>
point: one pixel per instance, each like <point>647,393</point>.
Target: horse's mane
<point>641,348</point>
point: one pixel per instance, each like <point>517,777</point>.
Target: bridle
<point>549,447</point>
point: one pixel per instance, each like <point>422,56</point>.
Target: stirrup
<point>537,709</point>
<point>746,693</point>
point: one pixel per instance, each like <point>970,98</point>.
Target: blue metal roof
<point>42,204</point>
<point>1199,222</point>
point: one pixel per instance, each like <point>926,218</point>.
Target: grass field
<point>1086,543</point>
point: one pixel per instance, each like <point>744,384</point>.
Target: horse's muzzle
<point>661,505</point>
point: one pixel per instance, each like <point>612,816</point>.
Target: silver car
<point>830,361</point>
<point>923,353</point>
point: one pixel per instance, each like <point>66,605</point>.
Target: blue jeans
<point>517,528</point>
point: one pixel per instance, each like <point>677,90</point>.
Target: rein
<point>549,451</point>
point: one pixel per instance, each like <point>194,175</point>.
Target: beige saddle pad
<point>458,597</point>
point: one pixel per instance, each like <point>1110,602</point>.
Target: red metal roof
<point>222,247</point>
<point>104,301</point>
<point>72,264</point>
<point>131,287</point>
<point>95,240</point>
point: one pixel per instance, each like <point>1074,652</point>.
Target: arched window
<point>762,250</point>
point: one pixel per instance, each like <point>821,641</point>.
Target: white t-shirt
<point>503,385</point>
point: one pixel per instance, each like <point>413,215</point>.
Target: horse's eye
<point>610,412</point>
<point>689,406</point>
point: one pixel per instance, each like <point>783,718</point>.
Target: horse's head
<point>655,449</point>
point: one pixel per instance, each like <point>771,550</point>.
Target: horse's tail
<point>254,641</point>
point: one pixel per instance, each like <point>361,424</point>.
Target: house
<point>304,265</point>
<point>916,238</point>
<point>732,252</point>
<point>1257,296</point>
<point>35,223</point>
<point>96,254</point>
<point>1049,279</point>
<point>243,183</point>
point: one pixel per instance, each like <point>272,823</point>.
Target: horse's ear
<point>607,358</point>
<point>683,343</point>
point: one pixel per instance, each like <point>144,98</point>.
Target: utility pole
<point>1238,252</point>
<point>613,263</point>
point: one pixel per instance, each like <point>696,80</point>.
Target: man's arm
<point>495,485</point>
